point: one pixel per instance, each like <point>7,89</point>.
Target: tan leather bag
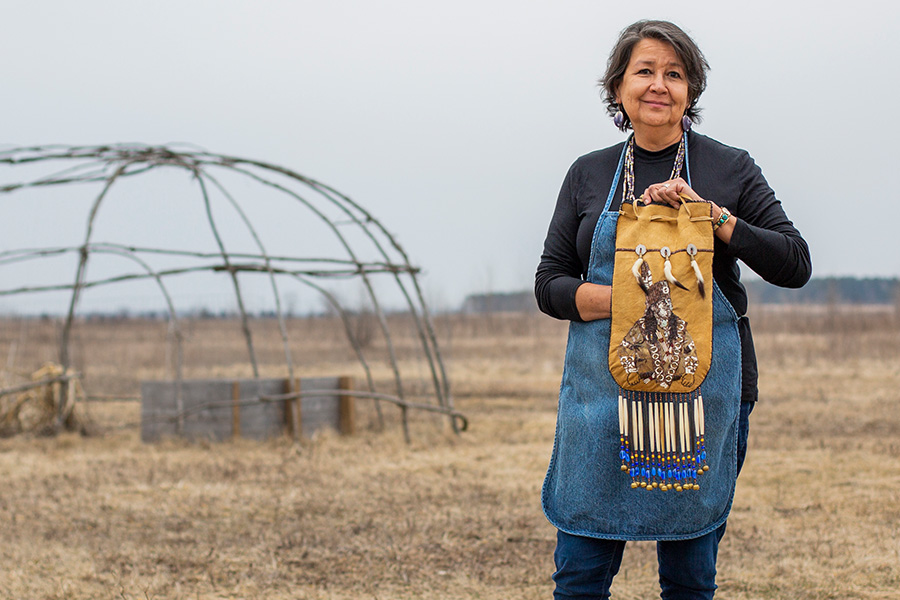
<point>661,334</point>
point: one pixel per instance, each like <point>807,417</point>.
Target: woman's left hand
<point>670,192</point>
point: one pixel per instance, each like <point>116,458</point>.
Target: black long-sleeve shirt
<point>763,238</point>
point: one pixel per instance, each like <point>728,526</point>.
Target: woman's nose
<point>658,83</point>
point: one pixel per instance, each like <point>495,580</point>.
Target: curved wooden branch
<point>239,297</point>
<point>282,327</point>
<point>379,312</point>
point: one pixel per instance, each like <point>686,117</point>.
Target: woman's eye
<point>644,72</point>
<point>674,74</point>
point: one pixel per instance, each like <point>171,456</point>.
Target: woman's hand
<point>670,192</point>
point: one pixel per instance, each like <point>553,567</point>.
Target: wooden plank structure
<point>220,409</point>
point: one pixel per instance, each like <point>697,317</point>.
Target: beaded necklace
<point>628,188</point>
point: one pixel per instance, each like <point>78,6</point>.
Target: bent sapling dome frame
<point>108,165</point>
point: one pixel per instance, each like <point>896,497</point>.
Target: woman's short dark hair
<point>695,64</point>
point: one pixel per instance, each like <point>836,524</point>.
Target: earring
<point>686,123</point>
<point>619,119</point>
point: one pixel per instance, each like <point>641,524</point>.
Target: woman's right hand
<point>593,301</point>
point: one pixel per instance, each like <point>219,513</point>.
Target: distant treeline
<point>500,302</point>
<point>826,290</point>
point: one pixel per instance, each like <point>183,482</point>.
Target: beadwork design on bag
<point>661,342</point>
<point>658,346</point>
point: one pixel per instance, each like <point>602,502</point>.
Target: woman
<point>654,79</point>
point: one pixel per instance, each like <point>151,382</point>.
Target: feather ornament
<point>667,268</point>
<point>701,284</point>
<point>636,270</point>
<point>641,270</point>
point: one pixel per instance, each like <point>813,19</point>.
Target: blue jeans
<point>585,566</point>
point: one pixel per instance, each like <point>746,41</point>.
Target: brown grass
<point>817,512</point>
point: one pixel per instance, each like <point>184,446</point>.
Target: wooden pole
<point>288,388</point>
<point>293,415</point>
<point>235,409</point>
<point>346,407</point>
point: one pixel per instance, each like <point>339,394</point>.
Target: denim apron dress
<point>585,491</point>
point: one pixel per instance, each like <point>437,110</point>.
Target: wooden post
<point>293,416</point>
<point>288,408</point>
<point>298,409</point>
<point>346,408</point>
<point>58,393</point>
<point>235,409</point>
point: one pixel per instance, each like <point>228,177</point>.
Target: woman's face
<point>654,89</point>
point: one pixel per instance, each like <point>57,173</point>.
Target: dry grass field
<point>100,515</point>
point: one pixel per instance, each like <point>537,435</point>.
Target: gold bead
<point>643,484</point>
<point>678,488</point>
<point>705,468</point>
<point>633,484</point>
<point>655,485</point>
<point>624,468</point>
<point>696,487</point>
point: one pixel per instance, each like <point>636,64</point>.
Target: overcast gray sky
<point>455,122</point>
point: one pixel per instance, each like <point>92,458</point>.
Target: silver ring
<point>666,185</point>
